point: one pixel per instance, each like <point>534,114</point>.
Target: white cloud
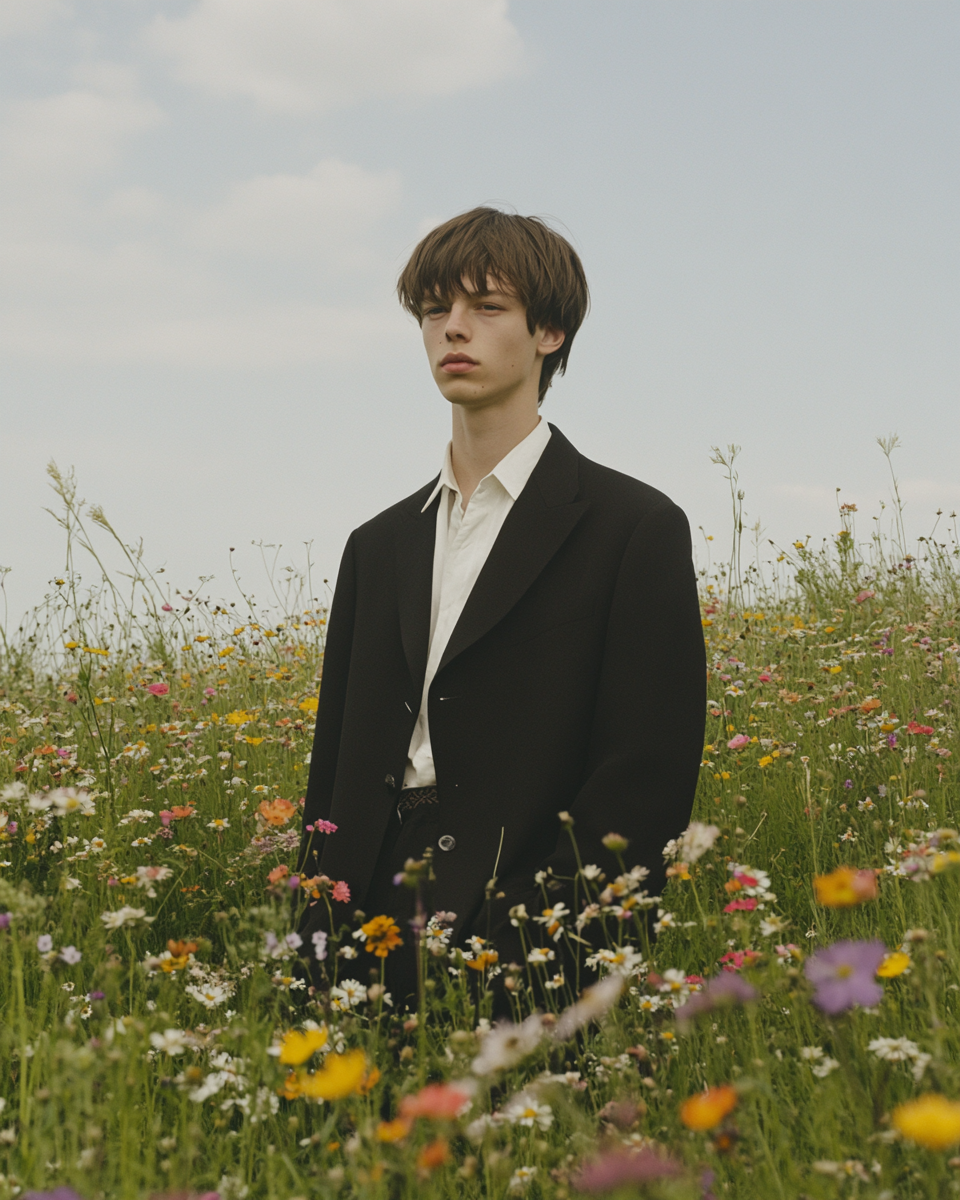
<point>307,56</point>
<point>28,16</point>
<point>77,134</point>
<point>324,212</point>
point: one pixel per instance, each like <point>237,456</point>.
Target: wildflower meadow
<point>781,1022</point>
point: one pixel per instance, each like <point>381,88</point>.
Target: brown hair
<point>541,267</point>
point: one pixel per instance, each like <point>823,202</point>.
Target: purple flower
<point>848,784</point>
<point>844,975</point>
<point>892,740</point>
<point>4,920</point>
<point>621,1167</point>
<point>722,991</point>
<point>60,1193</point>
<point>96,995</point>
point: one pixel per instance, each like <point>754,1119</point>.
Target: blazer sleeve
<point>646,741</point>
<point>336,672</point>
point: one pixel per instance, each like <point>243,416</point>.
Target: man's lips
<point>457,364</point>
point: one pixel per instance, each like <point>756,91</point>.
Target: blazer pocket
<point>548,625</point>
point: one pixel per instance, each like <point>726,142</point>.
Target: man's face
<point>480,349</point>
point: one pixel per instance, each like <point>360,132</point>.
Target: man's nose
<point>457,327</point>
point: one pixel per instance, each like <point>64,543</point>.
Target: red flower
<point>913,727</point>
<point>746,905</point>
<point>158,689</point>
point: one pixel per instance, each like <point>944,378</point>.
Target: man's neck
<point>484,437</point>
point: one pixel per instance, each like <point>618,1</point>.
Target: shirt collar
<point>512,472</point>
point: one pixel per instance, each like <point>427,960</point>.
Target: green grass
<point>831,779</point>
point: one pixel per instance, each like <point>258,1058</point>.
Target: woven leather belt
<point>411,798</point>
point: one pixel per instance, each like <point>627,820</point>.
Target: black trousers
<point>403,840</point>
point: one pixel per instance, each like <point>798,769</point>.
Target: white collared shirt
<point>463,543</point>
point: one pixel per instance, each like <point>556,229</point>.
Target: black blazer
<point>575,679</point>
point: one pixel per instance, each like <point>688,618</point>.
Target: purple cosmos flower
<point>844,975</point>
<point>621,1167</point>
<point>722,991</point>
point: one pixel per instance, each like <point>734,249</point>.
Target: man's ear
<point>551,340</point>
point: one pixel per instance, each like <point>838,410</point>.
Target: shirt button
<point>390,782</point>
<point>446,842</point>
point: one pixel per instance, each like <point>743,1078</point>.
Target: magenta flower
<point>158,689</point>
<point>623,1167</point>
<point>738,742</point>
<point>845,974</point>
<point>747,905</point>
<point>4,920</point>
<point>722,991</point>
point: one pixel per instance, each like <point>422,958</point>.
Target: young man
<point>519,637</point>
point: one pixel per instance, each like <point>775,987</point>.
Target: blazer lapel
<point>414,548</point>
<point>539,523</point>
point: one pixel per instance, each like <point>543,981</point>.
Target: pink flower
<point>764,678</point>
<point>864,595</point>
<point>747,905</point>
<point>209,691</point>
<point>738,742</point>
<point>341,891</point>
<point>158,689</point>
<point>167,607</point>
<point>913,727</point>
<point>166,816</point>
<point>325,827</point>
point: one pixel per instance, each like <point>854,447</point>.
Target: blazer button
<point>446,842</point>
<point>390,782</point>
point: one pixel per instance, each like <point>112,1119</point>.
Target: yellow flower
<point>946,858</point>
<point>238,717</point>
<point>296,1047</point>
<point>94,650</point>
<point>382,936</point>
<point>227,650</point>
<point>253,741</point>
<point>71,645</point>
<point>310,705</point>
<point>202,637</point>
<point>845,887</point>
<point>931,1120</point>
<point>341,1075</point>
<point>766,760</point>
<point>893,965</point>
<point>706,1109</point>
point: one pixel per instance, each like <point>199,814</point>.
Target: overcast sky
<point>205,204</point>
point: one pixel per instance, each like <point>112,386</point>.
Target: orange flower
<point>369,1081</point>
<point>276,812</point>
<point>179,956</point>
<point>278,873</point>
<point>845,887</point>
<point>381,935</point>
<point>433,1155</point>
<point>393,1131</point>
<point>706,1109</point>
<point>486,958</point>
<point>181,811</point>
